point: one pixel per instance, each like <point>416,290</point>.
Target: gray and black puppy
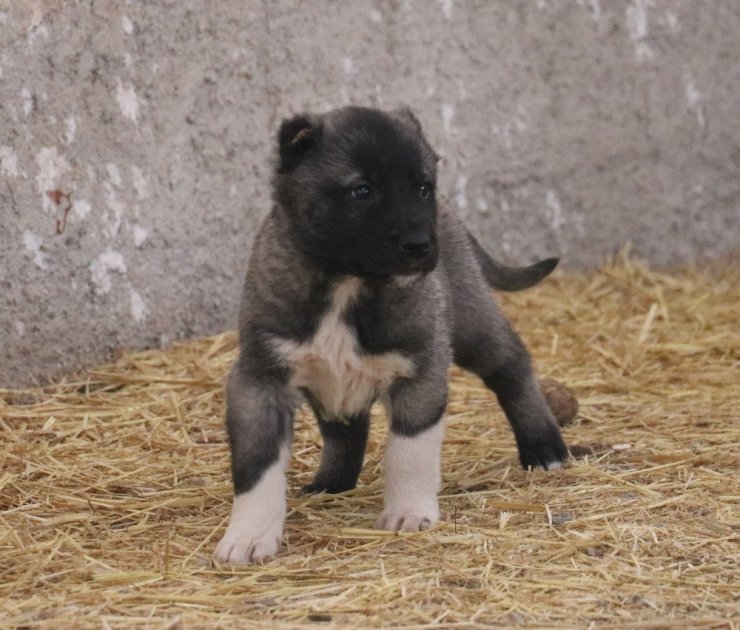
<point>360,288</point>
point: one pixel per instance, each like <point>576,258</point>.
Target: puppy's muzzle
<point>419,251</point>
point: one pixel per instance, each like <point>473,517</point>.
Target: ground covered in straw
<point>114,487</point>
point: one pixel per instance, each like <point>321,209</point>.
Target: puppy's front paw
<point>410,520</point>
<point>256,525</point>
<point>542,448</point>
<point>242,544</point>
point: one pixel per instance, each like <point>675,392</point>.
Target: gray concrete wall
<point>567,127</point>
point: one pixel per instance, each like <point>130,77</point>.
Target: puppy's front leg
<point>259,419</point>
<point>412,458</point>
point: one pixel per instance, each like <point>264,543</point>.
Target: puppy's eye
<point>426,190</point>
<point>362,192</point>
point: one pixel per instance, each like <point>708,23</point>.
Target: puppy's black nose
<point>416,245</point>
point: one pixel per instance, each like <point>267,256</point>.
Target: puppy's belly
<point>341,379</point>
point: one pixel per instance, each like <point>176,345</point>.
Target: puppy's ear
<point>406,116</point>
<point>296,136</point>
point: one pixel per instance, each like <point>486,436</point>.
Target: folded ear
<point>296,136</point>
<point>406,116</point>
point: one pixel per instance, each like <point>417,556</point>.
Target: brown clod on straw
<point>561,399</point>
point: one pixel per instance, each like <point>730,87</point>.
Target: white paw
<point>255,528</point>
<point>246,547</point>
<point>411,520</point>
<point>411,481</point>
<point>553,465</point>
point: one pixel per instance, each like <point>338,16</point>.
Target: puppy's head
<point>358,186</point>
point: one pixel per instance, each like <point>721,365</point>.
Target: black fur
<point>356,211</point>
<point>341,455</point>
<point>343,235</point>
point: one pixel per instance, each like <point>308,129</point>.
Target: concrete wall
<point>566,127</point>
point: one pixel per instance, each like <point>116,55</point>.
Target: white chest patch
<point>341,379</point>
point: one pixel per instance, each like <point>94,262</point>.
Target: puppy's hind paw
<point>553,465</point>
<point>543,449</point>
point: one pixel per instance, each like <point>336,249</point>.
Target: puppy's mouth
<point>405,267</point>
<point>418,265</point>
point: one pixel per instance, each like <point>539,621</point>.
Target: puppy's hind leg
<point>487,345</point>
<point>259,418</point>
<point>342,453</point>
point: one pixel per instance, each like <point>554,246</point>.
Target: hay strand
<point>114,487</point>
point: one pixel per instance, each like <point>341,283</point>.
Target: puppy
<point>360,288</point>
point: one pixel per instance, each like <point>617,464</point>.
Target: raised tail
<point>505,278</point>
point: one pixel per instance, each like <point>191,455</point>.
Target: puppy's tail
<point>505,278</point>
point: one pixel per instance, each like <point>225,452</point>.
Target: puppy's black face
<point>358,186</point>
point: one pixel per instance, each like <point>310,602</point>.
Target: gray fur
<point>424,296</point>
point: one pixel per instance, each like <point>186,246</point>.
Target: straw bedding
<point>114,487</point>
